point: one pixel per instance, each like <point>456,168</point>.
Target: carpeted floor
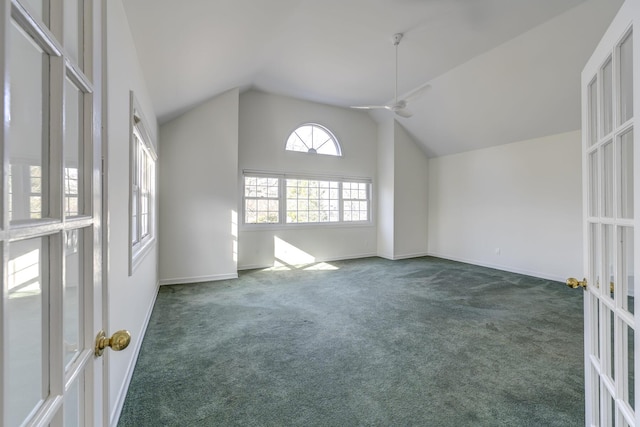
<point>424,341</point>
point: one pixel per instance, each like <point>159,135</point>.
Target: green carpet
<point>374,342</point>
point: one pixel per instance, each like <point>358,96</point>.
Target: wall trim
<point>198,279</point>
<point>342,258</point>
<point>122,394</point>
<point>500,267</point>
<point>407,256</point>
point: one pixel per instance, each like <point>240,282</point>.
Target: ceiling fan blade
<point>369,107</point>
<point>416,92</point>
<point>403,112</point>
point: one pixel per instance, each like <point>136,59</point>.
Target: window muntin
<point>142,189</point>
<point>355,199</point>
<point>286,199</point>
<point>312,201</point>
<point>313,139</point>
<point>261,200</point>
<point>71,195</point>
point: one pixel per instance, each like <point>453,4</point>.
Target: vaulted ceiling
<point>500,70</point>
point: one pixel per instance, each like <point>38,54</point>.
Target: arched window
<point>313,139</point>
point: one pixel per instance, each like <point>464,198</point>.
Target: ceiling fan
<point>399,106</point>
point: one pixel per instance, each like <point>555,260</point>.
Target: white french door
<point>611,181</point>
<point>50,213</point>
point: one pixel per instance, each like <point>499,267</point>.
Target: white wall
<point>265,123</point>
<point>522,199</point>
<point>386,169</point>
<point>402,193</point>
<point>198,192</point>
<point>131,298</point>
<point>410,196</point>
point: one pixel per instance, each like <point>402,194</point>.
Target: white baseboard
<point>198,279</point>
<point>499,267</point>
<point>122,393</point>
<point>407,256</point>
<point>342,258</point>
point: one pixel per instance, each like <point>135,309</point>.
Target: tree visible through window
<point>313,139</point>
<point>279,199</point>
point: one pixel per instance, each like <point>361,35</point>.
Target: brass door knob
<point>572,282</point>
<point>118,341</point>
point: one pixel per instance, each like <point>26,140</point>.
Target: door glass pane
<point>72,43</point>
<point>596,386</point>
<point>606,337</point>
<point>607,98</point>
<point>594,325</point>
<point>35,7</point>
<point>73,404</point>
<point>593,112</point>
<point>29,118</point>
<point>626,79</point>
<point>608,408</point>
<point>629,372</point>
<point>27,361</point>
<point>607,179</point>
<point>73,154</point>
<point>594,252</point>
<point>73,319</point>
<point>626,175</point>
<point>593,184</point>
<point>625,258</point>
<point>611,342</point>
<point>608,241</point>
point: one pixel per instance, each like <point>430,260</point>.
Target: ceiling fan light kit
<point>399,106</point>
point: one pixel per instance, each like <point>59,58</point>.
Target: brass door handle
<point>118,341</point>
<point>572,282</point>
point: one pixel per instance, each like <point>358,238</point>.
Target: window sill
<point>140,253</point>
<point>265,227</point>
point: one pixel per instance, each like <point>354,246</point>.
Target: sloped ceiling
<point>500,70</point>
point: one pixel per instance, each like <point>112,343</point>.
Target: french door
<point>50,234</point>
<point>611,180</point>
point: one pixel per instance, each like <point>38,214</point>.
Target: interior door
<point>611,179</point>
<point>50,209</point>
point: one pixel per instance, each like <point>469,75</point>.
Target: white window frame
<point>282,200</point>
<point>311,147</point>
<point>142,185</point>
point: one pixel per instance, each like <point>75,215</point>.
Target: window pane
<point>35,6</point>
<point>311,138</point>
<point>608,241</point>
<point>29,125</point>
<point>309,201</point>
<point>261,204</point>
<point>593,112</point>
<point>626,175</point>
<point>27,328</point>
<point>607,179</point>
<point>625,258</point>
<point>72,40</point>
<point>594,251</point>
<point>626,78</point>
<point>73,314</point>
<point>355,201</point>
<point>607,98</point>
<point>593,184</point>
<point>73,159</point>
<point>74,403</point>
<point>629,371</point>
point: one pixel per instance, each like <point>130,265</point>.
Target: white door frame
<point>603,263</point>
